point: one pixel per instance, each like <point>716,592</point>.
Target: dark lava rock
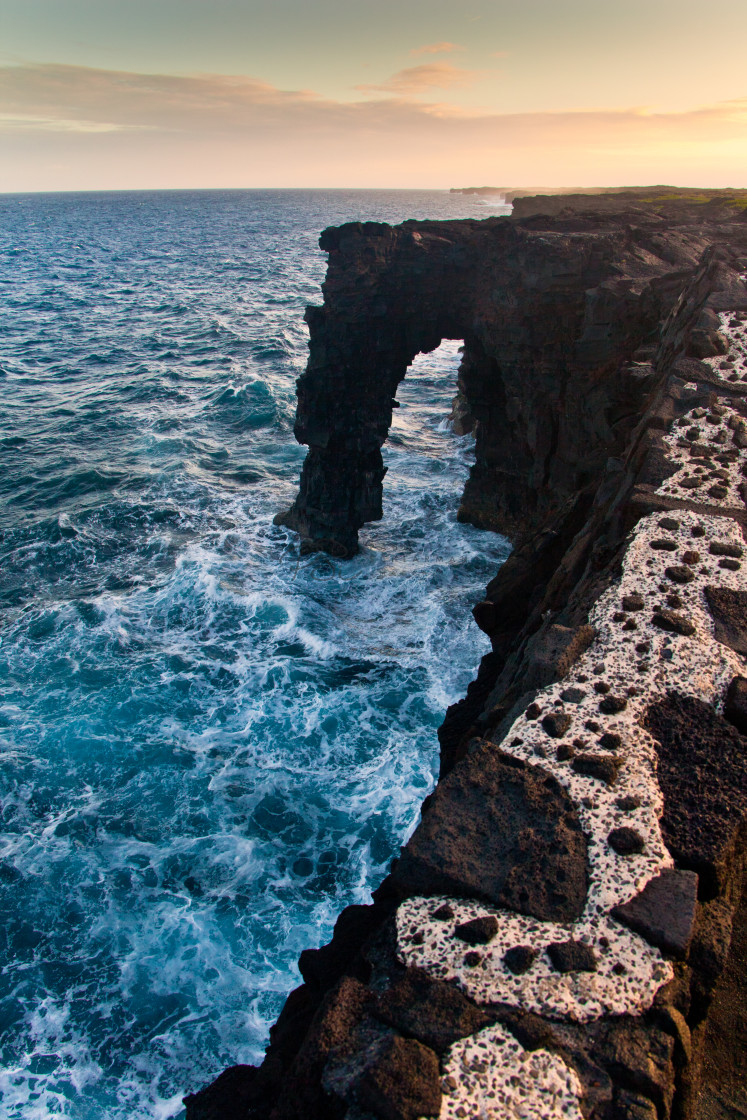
<point>472,959</point>
<point>638,1055</point>
<point>690,556</point>
<point>478,931</point>
<point>664,545</point>
<point>731,565</point>
<point>729,612</point>
<point>484,614</point>
<point>432,1011</point>
<point>680,573</point>
<point>664,911</point>
<point>633,1106</point>
<point>572,695</point>
<point>401,1082</point>
<point>552,651</point>
<point>735,704</point>
<point>703,778</point>
<point>322,967</point>
<point>673,600</point>
<point>339,1025</point>
<point>739,435</point>
<point>603,767</point>
<point>669,524</point>
<point>533,712</point>
<point>444,913</point>
<point>564,752</point>
<point>572,956</point>
<point>697,531</point>
<point>230,1096</point>
<point>723,548</point>
<point>556,724</point>
<point>717,492</point>
<point>502,830</point>
<point>633,602</point>
<point>602,687</point>
<point>626,841</point>
<point>611,705</point>
<point>520,959</point>
<point>610,741</point>
<point>673,623</point>
<point>628,803</point>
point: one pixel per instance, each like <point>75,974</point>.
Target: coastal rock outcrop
<point>558,318</point>
<point>558,937</point>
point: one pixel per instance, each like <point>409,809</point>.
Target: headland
<point>563,935</point>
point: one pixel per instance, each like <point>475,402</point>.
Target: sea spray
<point>210,745</point>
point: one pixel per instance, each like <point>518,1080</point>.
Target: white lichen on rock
<point>489,1076</point>
<point>710,444</point>
<point>628,970</point>
<point>632,661</point>
<point>731,366</point>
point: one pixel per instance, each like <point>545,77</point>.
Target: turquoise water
<point>209,745</point>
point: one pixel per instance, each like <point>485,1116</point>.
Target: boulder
<point>664,911</point>
<point>501,830</point>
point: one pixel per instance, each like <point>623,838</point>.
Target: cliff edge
<point>562,935</point>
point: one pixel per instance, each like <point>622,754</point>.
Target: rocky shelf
<point>564,934</point>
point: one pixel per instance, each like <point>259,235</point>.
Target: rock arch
<point>547,315</point>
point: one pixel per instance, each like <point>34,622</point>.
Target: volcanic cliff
<point>562,936</point>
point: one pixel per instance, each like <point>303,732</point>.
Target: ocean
<point>210,745</point>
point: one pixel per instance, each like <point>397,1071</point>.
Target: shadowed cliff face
<point>553,314</point>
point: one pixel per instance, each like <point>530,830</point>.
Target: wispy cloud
<point>89,97</point>
<point>124,98</point>
<point>116,128</point>
<point>419,79</point>
<point>436,48</point>
<point>19,122</point>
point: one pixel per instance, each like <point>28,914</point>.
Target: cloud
<point>26,123</point>
<point>67,127</point>
<point>418,79</point>
<point>76,95</point>
<point>166,101</point>
<point>437,48</point>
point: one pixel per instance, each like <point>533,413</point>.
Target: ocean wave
<point>209,743</point>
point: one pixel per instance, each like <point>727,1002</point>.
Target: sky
<point>121,94</point>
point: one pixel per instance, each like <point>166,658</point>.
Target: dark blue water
<point>209,746</point>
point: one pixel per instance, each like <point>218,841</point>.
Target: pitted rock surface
<point>703,776</point>
<point>503,831</point>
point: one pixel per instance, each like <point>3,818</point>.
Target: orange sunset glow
<point>242,94</point>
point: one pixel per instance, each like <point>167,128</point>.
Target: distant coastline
<point>650,193</point>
